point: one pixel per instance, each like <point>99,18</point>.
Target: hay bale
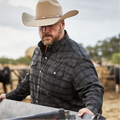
<point>103,75</point>
<point>29,52</point>
<point>102,72</point>
<point>107,84</point>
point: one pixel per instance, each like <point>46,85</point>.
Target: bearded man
<point>62,74</point>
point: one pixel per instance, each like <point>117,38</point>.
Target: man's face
<point>52,33</point>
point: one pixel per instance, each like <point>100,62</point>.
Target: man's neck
<point>62,35</point>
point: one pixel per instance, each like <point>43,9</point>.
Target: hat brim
<point>29,20</point>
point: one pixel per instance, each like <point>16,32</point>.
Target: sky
<point>97,20</point>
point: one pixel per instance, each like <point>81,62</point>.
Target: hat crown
<point>48,8</point>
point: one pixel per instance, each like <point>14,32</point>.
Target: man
<point>61,74</point>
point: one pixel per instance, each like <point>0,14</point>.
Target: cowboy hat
<point>48,12</point>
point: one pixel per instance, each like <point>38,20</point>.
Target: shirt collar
<point>56,45</point>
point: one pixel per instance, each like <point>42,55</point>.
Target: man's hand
<point>2,96</point>
<point>84,110</point>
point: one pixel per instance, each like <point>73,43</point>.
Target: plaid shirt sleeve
<point>22,90</point>
<point>87,84</point>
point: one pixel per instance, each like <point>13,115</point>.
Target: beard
<point>54,39</point>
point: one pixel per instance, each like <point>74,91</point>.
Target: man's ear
<point>63,24</point>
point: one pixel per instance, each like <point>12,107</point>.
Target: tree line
<point>107,50</point>
<point>21,60</point>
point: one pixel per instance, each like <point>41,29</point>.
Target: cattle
<point>117,75</point>
<point>5,77</point>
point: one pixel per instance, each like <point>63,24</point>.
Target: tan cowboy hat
<point>48,12</point>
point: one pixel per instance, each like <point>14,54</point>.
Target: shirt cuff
<point>91,108</point>
<point>9,95</point>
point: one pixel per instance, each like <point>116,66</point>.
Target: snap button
<point>54,73</point>
<point>40,71</point>
<point>46,58</point>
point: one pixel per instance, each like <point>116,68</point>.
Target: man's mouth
<point>47,35</point>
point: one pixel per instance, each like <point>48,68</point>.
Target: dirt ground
<point>111,99</point>
<point>111,105</point>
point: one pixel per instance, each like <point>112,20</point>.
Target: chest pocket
<point>57,69</point>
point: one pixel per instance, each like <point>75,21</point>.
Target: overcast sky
<point>97,20</point>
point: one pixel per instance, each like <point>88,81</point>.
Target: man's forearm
<point>22,90</point>
<point>19,93</point>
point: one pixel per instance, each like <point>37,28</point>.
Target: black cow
<point>5,77</point>
<point>117,75</point>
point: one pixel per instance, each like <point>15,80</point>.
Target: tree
<point>21,60</point>
<point>116,58</point>
<point>104,49</point>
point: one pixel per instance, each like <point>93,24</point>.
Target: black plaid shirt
<point>64,77</point>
